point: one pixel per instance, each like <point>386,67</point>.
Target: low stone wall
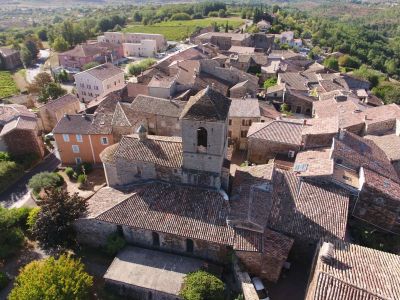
<point>243,281</point>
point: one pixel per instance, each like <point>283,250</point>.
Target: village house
<point>81,138</point>
<point>342,270</point>
<point>287,37</point>
<point>136,44</point>
<point>362,168</point>
<point>242,113</point>
<point>9,59</point>
<point>225,40</point>
<point>54,110</point>
<point>97,82</point>
<point>19,131</point>
<point>83,54</point>
<point>277,137</point>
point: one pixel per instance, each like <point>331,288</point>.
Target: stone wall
<point>236,127</point>
<point>378,209</point>
<point>92,232</point>
<point>260,151</point>
<point>177,244</point>
<point>380,128</point>
<point>243,281</point>
<point>317,140</point>
<point>20,142</point>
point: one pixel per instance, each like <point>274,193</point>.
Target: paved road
<point>18,195</point>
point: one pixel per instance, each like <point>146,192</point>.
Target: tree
<point>270,82</point>
<point>11,234</point>
<point>222,13</point>
<point>32,46</point>
<point>137,17</point>
<point>42,34</point>
<point>349,61</point>
<point>60,44</point>
<point>53,228</point>
<point>63,278</point>
<point>45,181</point>
<point>201,285</point>
<point>40,81</point>
<point>26,56</point>
<point>331,63</point>
<point>51,91</point>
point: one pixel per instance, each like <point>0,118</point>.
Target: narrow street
<point>18,195</point>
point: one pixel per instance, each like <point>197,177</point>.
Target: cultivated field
<point>179,30</point>
<point>7,85</point>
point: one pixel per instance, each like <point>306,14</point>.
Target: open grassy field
<point>7,85</point>
<point>179,30</point>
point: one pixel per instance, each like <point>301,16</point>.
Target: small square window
<point>104,141</point>
<point>75,148</point>
<point>66,137</point>
<point>79,138</point>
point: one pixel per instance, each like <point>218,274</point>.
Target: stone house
<point>159,116</point>
<point>54,110</point>
<point>81,138</point>
<point>97,82</point>
<point>19,131</point>
<point>81,55</point>
<point>354,271</point>
<point>242,114</point>
<point>242,90</point>
<point>9,59</point>
<point>266,140</point>
<point>129,38</point>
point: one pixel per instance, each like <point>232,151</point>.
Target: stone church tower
<point>204,123</point>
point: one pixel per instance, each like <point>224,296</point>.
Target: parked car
<point>260,289</point>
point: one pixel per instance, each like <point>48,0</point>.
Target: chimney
<point>304,122</point>
<point>341,134</point>
<point>142,132</point>
<point>326,252</point>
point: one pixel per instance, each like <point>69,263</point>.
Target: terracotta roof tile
<point>162,151</point>
<point>180,210</point>
<point>357,273</point>
<point>389,143</point>
<point>279,131</point>
<point>248,108</point>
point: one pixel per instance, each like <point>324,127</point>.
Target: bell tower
<point>204,123</point>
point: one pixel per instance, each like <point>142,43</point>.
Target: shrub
<point>32,218</point>
<point>331,63</point>
<point>46,181</point>
<point>9,172</point>
<point>5,156</point>
<point>213,14</point>
<point>3,280</point>
<point>114,243</point>
<point>270,82</point>
<point>84,168</point>
<point>21,216</point>
<point>203,286</point>
<point>62,278</point>
<point>180,17</point>
<point>11,236</point>
<point>26,160</point>
<point>90,65</point>
<point>139,67</point>
<point>70,172</point>
<point>82,178</point>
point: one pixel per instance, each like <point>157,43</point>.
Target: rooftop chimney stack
<point>142,132</point>
<point>341,134</point>
<point>326,252</point>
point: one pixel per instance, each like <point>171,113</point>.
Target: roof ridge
<point>112,207</point>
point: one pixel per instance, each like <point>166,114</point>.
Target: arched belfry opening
<point>202,137</point>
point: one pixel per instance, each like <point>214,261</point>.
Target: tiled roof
<point>242,49</point>
<point>7,51</point>
<point>11,111</point>
<point>321,126</point>
<point>356,273</point>
<point>269,242</point>
<point>90,49</point>
<point>21,123</point>
<point>74,124</point>
<point>159,81</point>
<point>248,108</point>
<point>61,102</point>
<point>295,81</point>
<point>162,151</point>
<point>157,106</point>
<point>251,196</point>
<point>306,210</point>
<point>203,80</point>
<point>382,184</point>
<point>207,105</point>
<point>103,72</point>
<point>314,163</point>
<point>279,131</point>
<point>108,154</point>
<point>180,210</point>
<point>362,152</point>
<point>389,143</point>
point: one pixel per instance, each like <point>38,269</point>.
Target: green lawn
<point>7,85</point>
<point>179,30</point>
